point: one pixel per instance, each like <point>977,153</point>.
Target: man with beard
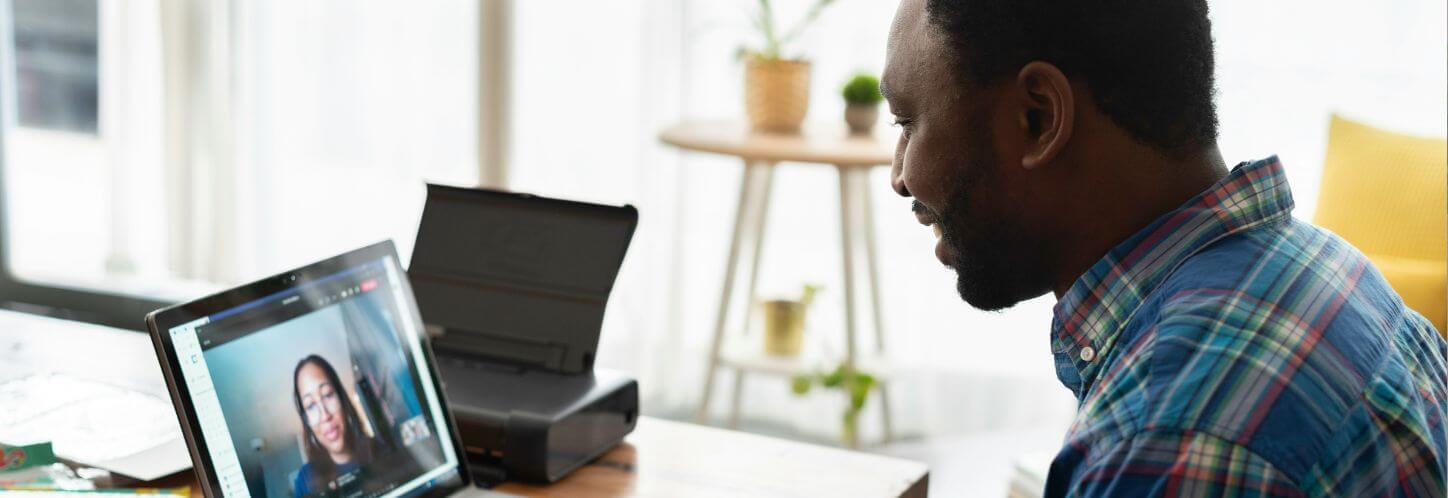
<point>1217,346</point>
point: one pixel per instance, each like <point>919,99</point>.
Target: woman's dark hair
<point>1149,63</point>
<point>322,468</point>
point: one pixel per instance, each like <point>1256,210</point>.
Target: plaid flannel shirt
<point>1228,349</point>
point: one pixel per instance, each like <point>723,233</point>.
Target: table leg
<point>862,182</point>
<point>856,206</point>
<point>734,401</point>
<point>889,427</point>
<point>748,224</point>
<point>757,224</point>
<point>867,222</point>
<point>848,205</point>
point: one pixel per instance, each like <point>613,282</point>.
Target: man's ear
<point>1048,112</point>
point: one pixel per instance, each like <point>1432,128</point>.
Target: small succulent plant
<point>863,89</point>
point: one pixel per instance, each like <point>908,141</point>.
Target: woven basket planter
<point>776,94</point>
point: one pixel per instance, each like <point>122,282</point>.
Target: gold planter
<point>776,94</point>
<point>783,326</point>
<point>862,118</point>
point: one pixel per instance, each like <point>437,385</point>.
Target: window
<point>56,73</point>
<point>154,151</point>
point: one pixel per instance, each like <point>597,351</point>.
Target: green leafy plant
<point>807,297</point>
<point>863,89</point>
<point>774,41</point>
<point>856,384</point>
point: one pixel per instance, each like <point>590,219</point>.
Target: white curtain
<point>596,81</point>
<point>592,91</point>
<point>241,138</point>
<point>1284,66</point>
<point>313,125</point>
<point>311,128</point>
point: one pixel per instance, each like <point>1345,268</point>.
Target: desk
<point>660,459</point>
<point>852,157</point>
<point>668,459</point>
<point>672,459</point>
<point>122,360</point>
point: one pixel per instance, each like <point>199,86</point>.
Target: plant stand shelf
<point>753,360</point>
<point>852,156</point>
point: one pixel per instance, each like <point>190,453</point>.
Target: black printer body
<point>514,288</point>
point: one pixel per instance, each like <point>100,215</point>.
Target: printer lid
<point>517,277</point>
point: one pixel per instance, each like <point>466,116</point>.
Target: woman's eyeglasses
<point>321,403</point>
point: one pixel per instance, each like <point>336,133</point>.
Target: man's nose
<point>897,177</point>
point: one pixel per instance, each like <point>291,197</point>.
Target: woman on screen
<point>331,430</point>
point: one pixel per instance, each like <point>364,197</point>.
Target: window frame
<point>117,308</point>
<point>97,306</point>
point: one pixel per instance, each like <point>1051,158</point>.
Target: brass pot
<point>776,94</point>
<point>783,326</point>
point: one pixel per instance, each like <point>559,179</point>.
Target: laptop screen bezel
<point>160,322</point>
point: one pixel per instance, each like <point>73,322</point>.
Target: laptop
<point>316,382</point>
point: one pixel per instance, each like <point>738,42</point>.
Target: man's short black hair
<point>1148,63</point>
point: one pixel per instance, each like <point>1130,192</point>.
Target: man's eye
<point>906,126</point>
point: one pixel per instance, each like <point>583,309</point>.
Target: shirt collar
<point>1090,315</point>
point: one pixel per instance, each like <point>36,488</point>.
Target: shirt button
<point>1088,354</point>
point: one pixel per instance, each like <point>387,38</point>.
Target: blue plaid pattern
<point>1230,350</point>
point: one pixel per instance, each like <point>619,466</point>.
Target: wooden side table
<point>853,157</point>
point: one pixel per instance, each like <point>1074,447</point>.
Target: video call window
<point>319,392</point>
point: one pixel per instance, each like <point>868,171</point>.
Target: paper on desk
<point>95,424</point>
<point>102,493</point>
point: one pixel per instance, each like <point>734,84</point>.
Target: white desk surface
<point>31,345</point>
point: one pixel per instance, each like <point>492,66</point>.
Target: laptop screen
<point>318,390</point>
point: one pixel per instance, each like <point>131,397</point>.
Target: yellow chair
<point>1387,194</point>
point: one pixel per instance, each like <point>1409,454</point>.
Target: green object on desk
<point>24,457</point>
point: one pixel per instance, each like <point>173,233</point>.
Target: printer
<point>513,288</point>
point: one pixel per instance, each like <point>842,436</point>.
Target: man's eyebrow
<point>884,90</point>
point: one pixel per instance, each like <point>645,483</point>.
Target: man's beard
<point>996,263</point>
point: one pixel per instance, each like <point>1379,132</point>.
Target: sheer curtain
<point>1284,66</point>
<point>595,82</point>
<point>344,111</point>
<point>301,130</point>
<point>240,138</point>
<point>292,131</point>
<point>592,91</point>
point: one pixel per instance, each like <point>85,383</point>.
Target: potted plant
<point>776,87</point>
<point>853,382</point>
<point>862,103</point>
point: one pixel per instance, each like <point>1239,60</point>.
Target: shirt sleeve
<point>1166,464</point>
<point>302,483</point>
